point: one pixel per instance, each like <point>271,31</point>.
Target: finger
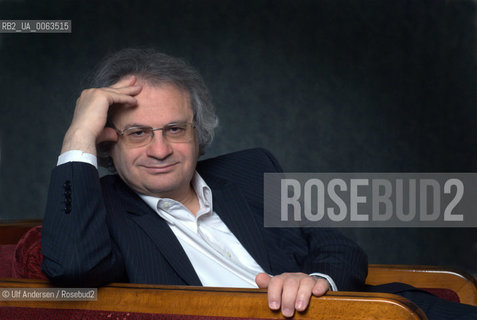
<point>262,280</point>
<point>132,80</point>
<point>275,288</point>
<point>304,293</point>
<point>100,99</point>
<point>321,287</point>
<point>107,135</point>
<point>123,95</point>
<point>126,81</point>
<point>289,295</point>
<point>124,89</point>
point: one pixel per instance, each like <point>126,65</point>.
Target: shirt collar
<point>202,190</point>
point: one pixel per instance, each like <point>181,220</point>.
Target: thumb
<point>107,135</point>
<point>262,280</point>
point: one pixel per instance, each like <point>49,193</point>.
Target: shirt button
<point>164,204</point>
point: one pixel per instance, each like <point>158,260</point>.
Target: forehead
<point>157,105</point>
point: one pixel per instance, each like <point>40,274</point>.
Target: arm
<point>322,251</point>
<point>76,244</point>
<point>331,253</point>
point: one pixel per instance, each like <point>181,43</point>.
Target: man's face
<point>160,168</point>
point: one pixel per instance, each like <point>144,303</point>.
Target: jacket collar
<point>228,202</point>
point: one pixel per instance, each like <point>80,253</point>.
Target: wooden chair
<point>156,300</point>
<point>132,301</point>
<point>444,282</point>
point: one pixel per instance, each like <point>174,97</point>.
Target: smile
<point>160,168</point>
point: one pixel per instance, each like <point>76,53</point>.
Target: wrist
<point>76,139</point>
<point>77,156</point>
<point>331,283</point>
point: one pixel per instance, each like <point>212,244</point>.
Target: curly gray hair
<point>158,68</point>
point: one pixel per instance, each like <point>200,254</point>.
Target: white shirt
<point>217,256</point>
<point>219,259</point>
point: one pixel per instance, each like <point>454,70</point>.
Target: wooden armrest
<point>12,231</point>
<point>223,302</point>
<point>463,284</point>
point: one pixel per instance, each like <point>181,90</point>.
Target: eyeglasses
<point>177,132</point>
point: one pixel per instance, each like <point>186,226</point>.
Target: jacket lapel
<point>161,234</point>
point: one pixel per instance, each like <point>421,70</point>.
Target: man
<point>166,218</point>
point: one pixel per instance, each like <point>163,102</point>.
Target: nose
<point>159,147</point>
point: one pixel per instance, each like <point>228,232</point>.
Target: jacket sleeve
<point>322,250</point>
<point>331,253</point>
<point>76,242</point>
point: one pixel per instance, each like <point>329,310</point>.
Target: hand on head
<point>91,113</point>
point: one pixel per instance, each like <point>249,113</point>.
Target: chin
<point>160,191</point>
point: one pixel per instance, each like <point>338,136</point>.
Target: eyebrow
<point>135,125</point>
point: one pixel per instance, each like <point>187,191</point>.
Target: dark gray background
<point>327,86</point>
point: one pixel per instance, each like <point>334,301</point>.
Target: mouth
<point>163,168</point>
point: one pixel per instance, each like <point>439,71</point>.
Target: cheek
<point>115,154</point>
<point>195,147</point>
<point>121,157</point>
<point>193,153</point>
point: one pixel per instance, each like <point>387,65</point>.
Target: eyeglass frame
<point>122,132</point>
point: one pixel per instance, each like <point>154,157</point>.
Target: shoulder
<point>113,187</point>
<point>257,159</point>
<point>243,169</point>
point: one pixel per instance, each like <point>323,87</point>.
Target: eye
<point>137,132</point>
<point>175,129</point>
